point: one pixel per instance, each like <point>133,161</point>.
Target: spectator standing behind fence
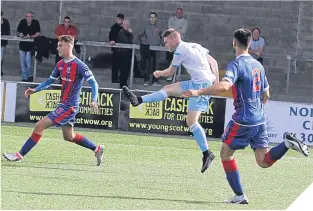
<point>125,36</point>
<point>180,24</point>
<point>113,39</point>
<point>5,30</point>
<point>65,29</point>
<point>27,28</point>
<point>257,45</point>
<point>150,36</point>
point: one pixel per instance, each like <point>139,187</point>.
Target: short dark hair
<point>243,37</point>
<point>153,13</point>
<point>256,28</point>
<point>67,17</point>
<point>120,15</point>
<point>179,8</point>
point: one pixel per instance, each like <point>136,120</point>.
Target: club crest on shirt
<point>59,110</point>
<point>88,73</point>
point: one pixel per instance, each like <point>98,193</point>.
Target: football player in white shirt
<point>203,70</point>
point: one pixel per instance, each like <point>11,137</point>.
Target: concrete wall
<point>286,26</point>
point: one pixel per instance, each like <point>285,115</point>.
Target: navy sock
<point>275,153</point>
<point>233,176</point>
<point>84,142</point>
<point>30,143</point>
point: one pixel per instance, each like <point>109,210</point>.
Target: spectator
<point>125,36</point>
<point>5,30</point>
<point>65,29</point>
<point>27,28</point>
<point>180,24</point>
<point>113,39</point>
<point>150,36</point>
<point>257,45</point>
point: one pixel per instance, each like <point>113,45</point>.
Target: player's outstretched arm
<point>165,73</point>
<point>212,90</point>
<point>44,85</point>
<point>94,92</point>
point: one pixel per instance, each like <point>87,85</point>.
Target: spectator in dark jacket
<point>113,39</point>
<point>125,36</point>
<point>5,30</point>
<point>27,28</point>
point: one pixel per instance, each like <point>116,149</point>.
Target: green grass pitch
<point>139,172</point>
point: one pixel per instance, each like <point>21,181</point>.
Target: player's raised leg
<point>232,175</point>
<point>199,135</point>
<point>70,135</point>
<point>40,126</point>
<point>168,90</point>
<point>266,157</point>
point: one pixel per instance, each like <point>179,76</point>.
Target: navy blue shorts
<point>238,136</point>
<point>63,115</point>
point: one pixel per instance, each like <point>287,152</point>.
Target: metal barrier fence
<point>84,44</point>
<point>293,63</point>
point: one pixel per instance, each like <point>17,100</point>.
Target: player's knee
<point>38,128</point>
<point>68,138</point>
<point>262,164</point>
<point>225,153</point>
<point>190,120</point>
<point>225,156</point>
<point>167,89</point>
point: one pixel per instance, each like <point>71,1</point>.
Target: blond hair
<point>67,38</point>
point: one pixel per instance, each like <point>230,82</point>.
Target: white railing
<point>97,44</point>
<point>289,71</point>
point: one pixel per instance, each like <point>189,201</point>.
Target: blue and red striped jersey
<point>249,81</point>
<point>72,73</point>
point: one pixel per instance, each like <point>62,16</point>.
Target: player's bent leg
<point>40,126</point>
<point>199,135</point>
<point>70,135</point>
<point>277,152</point>
<point>232,175</point>
<point>168,90</point>
<point>261,145</point>
<point>260,157</point>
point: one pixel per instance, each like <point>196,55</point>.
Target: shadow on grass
<point>112,197</point>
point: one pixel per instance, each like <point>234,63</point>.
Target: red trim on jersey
<point>59,64</point>
<point>234,92</point>
<point>63,73</point>
<point>70,82</point>
<point>230,165</point>
<point>268,159</point>
<point>35,137</point>
<point>232,134</point>
<point>64,115</point>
